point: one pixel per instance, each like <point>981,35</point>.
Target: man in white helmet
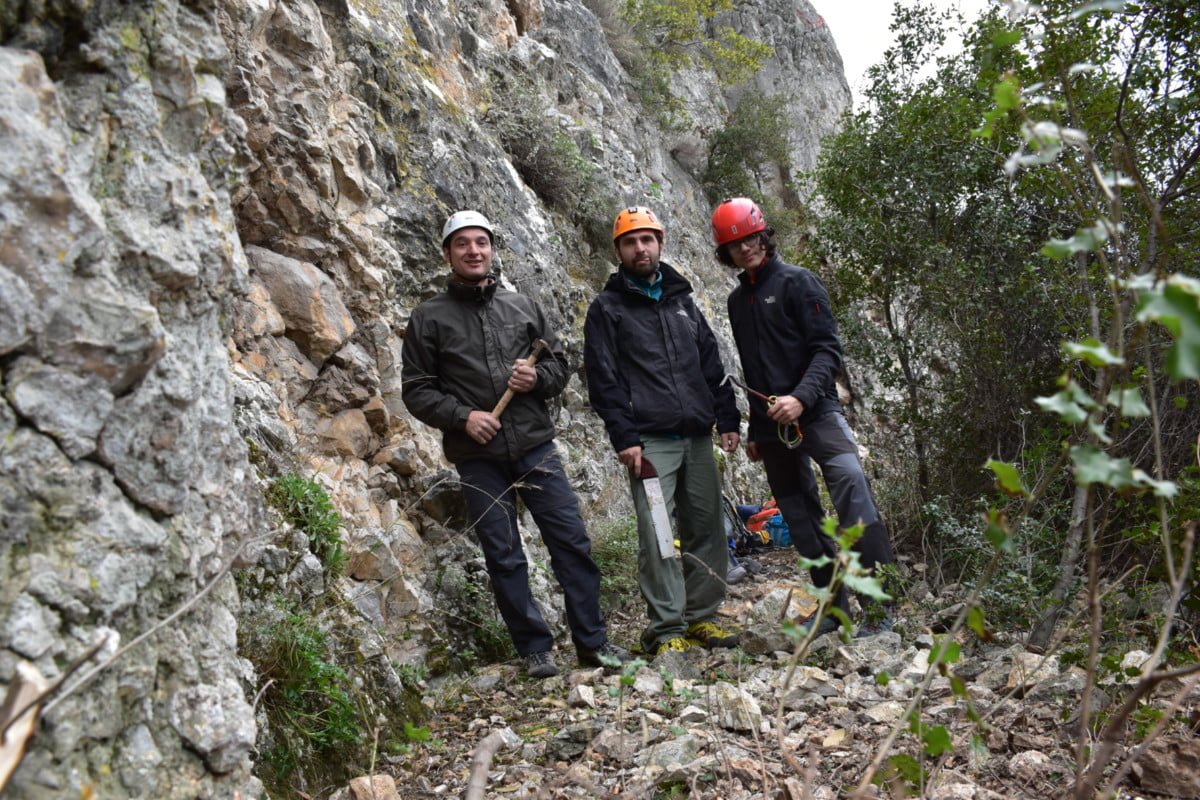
<point>462,350</point>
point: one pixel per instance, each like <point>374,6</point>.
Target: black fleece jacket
<point>788,341</point>
<point>653,366</point>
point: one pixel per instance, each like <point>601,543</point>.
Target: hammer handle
<point>539,347</point>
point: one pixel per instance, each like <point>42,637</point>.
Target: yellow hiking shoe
<point>678,644</point>
<point>710,634</point>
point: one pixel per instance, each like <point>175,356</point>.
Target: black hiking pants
<point>491,489</point>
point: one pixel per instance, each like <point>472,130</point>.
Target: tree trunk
<point>1043,631</point>
<point>913,400</point>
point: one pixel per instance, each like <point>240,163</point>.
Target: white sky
<point>860,29</point>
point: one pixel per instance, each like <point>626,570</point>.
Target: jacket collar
<point>672,282</point>
<point>761,273</point>
<point>472,293</point>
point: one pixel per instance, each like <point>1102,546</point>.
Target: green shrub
<point>306,505</point>
<point>315,723</point>
<point>615,551</point>
<point>1014,596</point>
<point>750,149</point>
<point>544,155</point>
<point>749,156</point>
<point>676,34</point>
<point>481,636</point>
<point>490,637</point>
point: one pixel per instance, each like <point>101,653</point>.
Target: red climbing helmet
<point>736,218</point>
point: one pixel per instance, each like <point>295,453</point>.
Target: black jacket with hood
<point>458,353</point>
<point>653,366</point>
<point>787,340</point>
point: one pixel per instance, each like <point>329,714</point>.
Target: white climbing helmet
<point>466,219</point>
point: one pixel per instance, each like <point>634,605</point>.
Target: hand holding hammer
<point>482,426</point>
<point>539,347</point>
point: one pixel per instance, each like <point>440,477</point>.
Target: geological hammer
<point>539,347</point>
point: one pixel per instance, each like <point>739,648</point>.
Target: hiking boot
<point>710,635</point>
<point>873,625</point>
<point>608,650</point>
<point>540,665</point>
<point>828,624</point>
<point>679,644</point>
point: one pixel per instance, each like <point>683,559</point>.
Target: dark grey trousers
<point>829,442</point>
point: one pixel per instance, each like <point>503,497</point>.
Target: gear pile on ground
<point>751,723</point>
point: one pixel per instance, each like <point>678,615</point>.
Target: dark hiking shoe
<point>873,625</point>
<point>540,665</point>
<point>597,657</point>
<point>710,634</point>
<point>828,624</point>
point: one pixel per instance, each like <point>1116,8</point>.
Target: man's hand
<point>523,378</point>
<point>632,458</point>
<point>786,410</point>
<point>752,451</point>
<point>482,426</point>
<point>729,441</point>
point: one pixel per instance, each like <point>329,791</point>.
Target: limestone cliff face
<point>215,219</point>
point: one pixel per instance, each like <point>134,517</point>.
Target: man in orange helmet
<point>655,377</point>
<point>789,348</point>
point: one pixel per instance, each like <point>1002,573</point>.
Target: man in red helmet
<point>789,348</point>
<point>462,349</point>
<point>655,377</point>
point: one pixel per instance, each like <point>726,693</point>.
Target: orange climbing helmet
<point>636,218</point>
<point>736,218</point>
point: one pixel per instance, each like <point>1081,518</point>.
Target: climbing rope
<point>790,434</point>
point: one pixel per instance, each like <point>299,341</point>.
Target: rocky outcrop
<point>123,481</point>
<point>214,221</point>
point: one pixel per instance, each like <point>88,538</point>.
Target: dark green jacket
<point>458,352</point>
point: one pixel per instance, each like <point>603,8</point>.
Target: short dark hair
<point>767,236</point>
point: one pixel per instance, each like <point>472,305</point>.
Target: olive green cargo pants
<point>681,590</point>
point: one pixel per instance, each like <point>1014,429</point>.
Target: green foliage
<point>902,771</point>
<point>316,718</point>
<point>411,674</point>
<point>1008,478</point>
<point>303,503</point>
<point>487,638</point>
<point>965,546</point>
<point>656,38</point>
<point>749,151</point>
<point>545,155</point>
<point>749,156</point>
<point>615,551</point>
<point>678,34</point>
<point>929,255</point>
<point>1144,718</point>
<point>670,790</point>
<point>1175,304</point>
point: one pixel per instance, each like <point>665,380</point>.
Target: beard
<point>641,269</point>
